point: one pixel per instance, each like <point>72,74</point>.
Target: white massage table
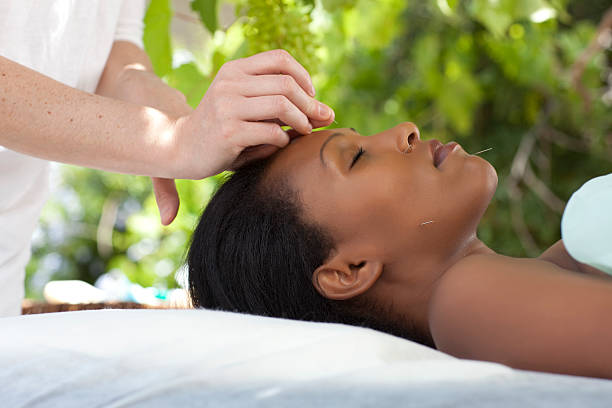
<point>194,358</point>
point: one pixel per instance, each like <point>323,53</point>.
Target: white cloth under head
<point>195,358</point>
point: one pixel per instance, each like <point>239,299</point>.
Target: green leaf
<point>207,9</point>
<point>156,35</point>
<point>496,16</point>
<point>190,81</point>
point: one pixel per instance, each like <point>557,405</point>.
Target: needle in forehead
<point>325,144</point>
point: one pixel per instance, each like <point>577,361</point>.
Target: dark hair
<point>253,252</point>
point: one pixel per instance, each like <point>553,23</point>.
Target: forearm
<point>44,118</point>
<point>129,76</point>
<point>123,58</point>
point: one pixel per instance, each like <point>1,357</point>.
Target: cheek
<point>370,209</point>
<point>395,203</point>
<point>400,196</point>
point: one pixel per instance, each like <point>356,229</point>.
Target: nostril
<point>406,138</point>
<point>411,138</point>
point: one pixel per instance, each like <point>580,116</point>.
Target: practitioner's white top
<point>69,41</point>
<point>586,227</point>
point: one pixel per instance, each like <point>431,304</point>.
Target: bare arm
<point>128,76</point>
<point>525,313</point>
<point>44,118</point>
<point>242,108</point>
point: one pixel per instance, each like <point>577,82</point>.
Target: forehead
<point>300,165</point>
<point>302,156</point>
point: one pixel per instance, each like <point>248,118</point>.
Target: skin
<point>472,302</point>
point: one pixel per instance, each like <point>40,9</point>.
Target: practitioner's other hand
<point>137,85</point>
<point>240,117</point>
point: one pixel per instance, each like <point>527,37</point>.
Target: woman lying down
<point>380,232</point>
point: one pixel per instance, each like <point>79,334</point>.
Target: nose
<point>406,136</point>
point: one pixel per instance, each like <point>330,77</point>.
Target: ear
<point>340,279</point>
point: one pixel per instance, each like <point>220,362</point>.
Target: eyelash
<point>360,152</point>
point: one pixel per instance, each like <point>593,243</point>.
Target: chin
<point>489,175</point>
<point>483,181</point>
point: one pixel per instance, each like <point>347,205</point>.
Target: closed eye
<point>360,152</point>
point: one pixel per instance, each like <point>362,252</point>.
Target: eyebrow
<point>325,144</point>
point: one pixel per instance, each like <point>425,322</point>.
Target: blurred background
<point>529,78</point>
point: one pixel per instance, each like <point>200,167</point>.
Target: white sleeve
<point>131,22</point>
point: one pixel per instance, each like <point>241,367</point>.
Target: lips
<point>441,151</point>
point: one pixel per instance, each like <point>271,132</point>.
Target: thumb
<point>167,199</point>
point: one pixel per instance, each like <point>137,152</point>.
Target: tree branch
<point>542,191</point>
<point>594,47</point>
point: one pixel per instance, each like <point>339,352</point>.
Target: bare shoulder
<point>467,300</point>
<point>524,313</point>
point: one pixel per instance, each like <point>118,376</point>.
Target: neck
<point>420,281</point>
<point>473,247</point>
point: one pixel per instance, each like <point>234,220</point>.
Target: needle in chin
<point>482,151</point>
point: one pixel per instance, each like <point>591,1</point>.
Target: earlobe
<point>341,280</point>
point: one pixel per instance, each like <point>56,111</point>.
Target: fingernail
<point>312,90</point>
<point>309,129</point>
<point>324,111</point>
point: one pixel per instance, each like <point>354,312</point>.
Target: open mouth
<point>441,151</point>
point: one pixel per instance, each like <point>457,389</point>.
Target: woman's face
<point>389,196</point>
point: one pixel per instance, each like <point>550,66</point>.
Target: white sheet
<point>150,358</point>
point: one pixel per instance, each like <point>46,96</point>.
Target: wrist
<point>160,143</point>
<point>171,144</point>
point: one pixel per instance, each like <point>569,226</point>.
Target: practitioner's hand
<point>240,117</point>
<point>237,121</point>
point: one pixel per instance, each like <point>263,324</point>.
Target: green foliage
<point>485,73</point>
<point>498,15</point>
<point>207,9</point>
<point>190,81</point>
<point>338,5</point>
<point>156,37</point>
<point>273,24</point>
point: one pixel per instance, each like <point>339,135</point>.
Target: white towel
<point>586,226</point>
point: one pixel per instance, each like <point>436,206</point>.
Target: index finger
<point>277,62</point>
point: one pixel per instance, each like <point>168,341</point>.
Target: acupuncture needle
<point>482,151</point>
